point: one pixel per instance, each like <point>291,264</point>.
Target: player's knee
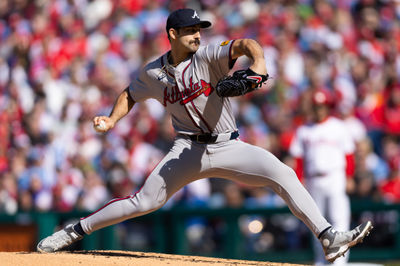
<point>292,173</point>
<point>289,173</point>
<point>147,207</point>
<point>151,201</point>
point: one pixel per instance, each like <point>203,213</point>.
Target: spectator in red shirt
<point>391,111</point>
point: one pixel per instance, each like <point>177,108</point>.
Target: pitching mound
<point>116,258</point>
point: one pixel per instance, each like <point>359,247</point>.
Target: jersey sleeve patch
<point>224,43</point>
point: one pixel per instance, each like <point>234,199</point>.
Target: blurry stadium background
<point>64,61</point>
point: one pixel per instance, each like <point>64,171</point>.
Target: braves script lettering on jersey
<point>189,94</point>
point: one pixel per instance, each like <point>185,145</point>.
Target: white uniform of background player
<point>325,147</point>
<point>207,143</point>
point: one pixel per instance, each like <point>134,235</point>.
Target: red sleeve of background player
<point>299,168</point>
<point>350,165</point>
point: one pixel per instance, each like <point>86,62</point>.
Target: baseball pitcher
<point>190,81</point>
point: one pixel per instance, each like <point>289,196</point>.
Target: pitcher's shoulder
<point>156,63</point>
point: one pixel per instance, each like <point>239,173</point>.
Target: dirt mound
<point>116,258</point>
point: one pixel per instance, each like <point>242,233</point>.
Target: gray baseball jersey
<point>187,91</point>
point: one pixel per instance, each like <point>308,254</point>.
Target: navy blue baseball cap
<point>184,18</point>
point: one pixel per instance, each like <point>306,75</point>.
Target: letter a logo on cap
<point>195,15</point>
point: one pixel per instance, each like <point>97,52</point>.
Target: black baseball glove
<point>240,83</point>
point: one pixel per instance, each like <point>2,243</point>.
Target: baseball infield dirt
<point>116,258</point>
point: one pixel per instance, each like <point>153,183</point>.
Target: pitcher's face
<point>188,39</point>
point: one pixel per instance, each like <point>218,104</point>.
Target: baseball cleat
<point>59,240</point>
<point>336,244</point>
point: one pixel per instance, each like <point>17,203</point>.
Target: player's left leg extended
<point>252,165</point>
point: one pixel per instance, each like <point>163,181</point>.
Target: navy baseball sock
<point>78,229</point>
<point>323,231</point>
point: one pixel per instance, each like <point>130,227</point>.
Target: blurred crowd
<point>64,61</point>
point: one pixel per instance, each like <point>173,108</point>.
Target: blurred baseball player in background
<point>190,81</point>
<point>323,149</point>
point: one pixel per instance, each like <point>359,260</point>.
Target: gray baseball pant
<point>188,161</point>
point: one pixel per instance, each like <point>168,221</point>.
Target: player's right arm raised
<point>244,81</point>
<point>122,106</point>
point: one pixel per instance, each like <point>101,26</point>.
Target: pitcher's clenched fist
<point>102,123</point>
